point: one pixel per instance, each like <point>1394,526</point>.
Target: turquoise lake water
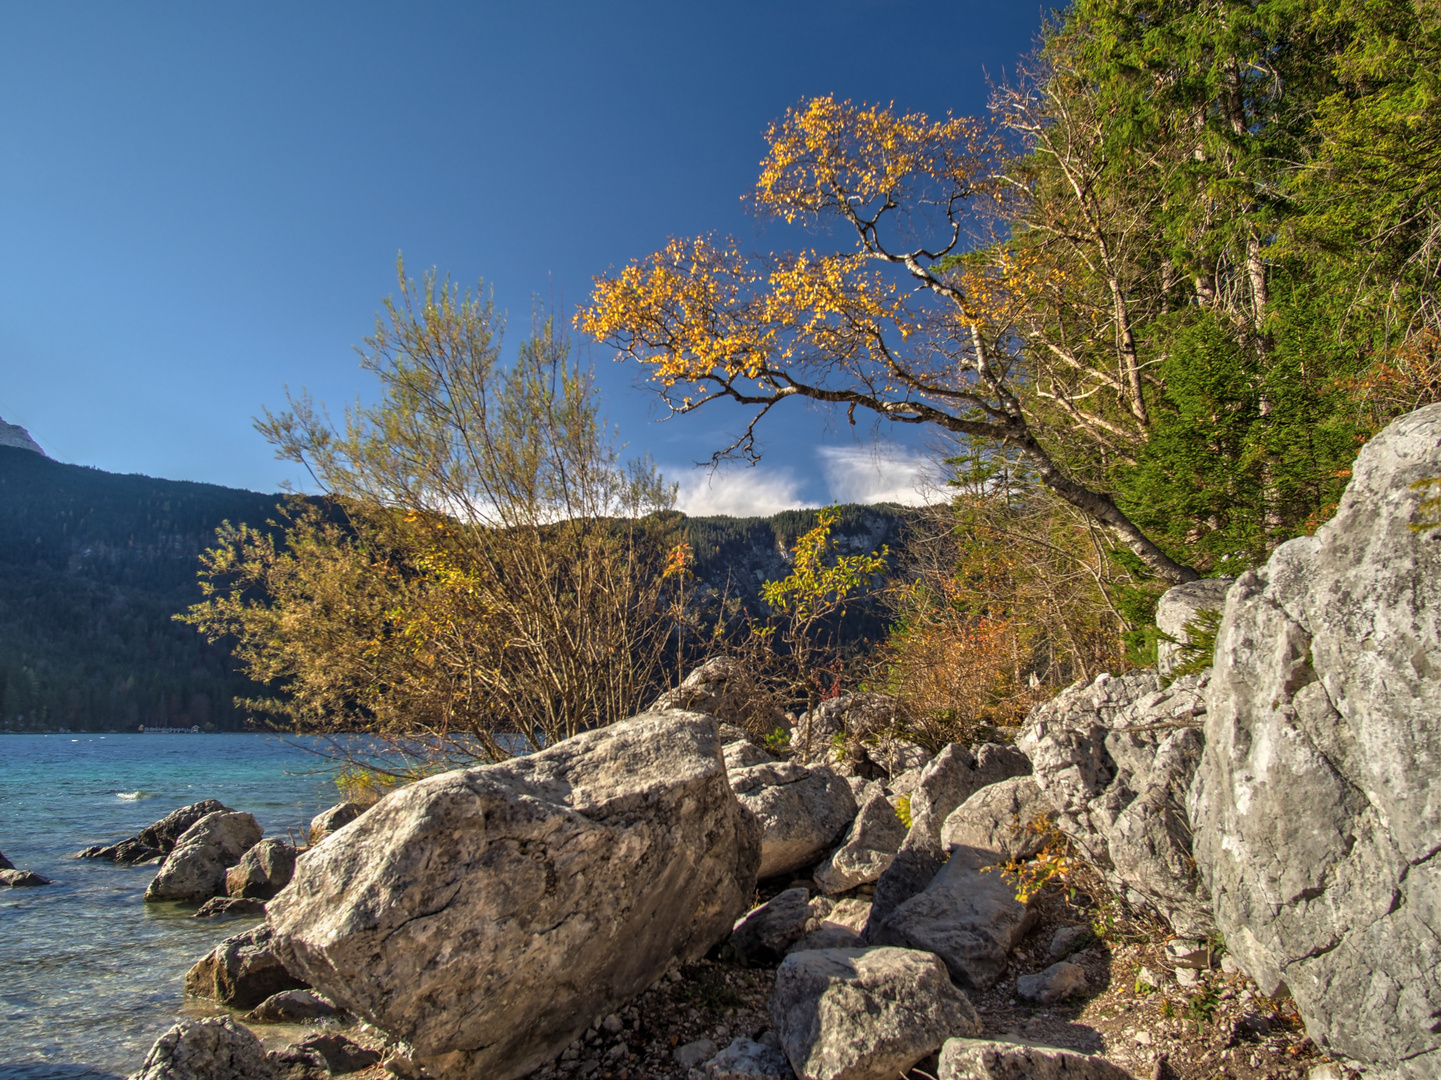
<point>90,975</point>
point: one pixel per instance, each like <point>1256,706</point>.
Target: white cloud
<point>861,474</point>
<point>739,492</point>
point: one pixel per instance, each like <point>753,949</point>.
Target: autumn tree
<point>902,327</point>
<point>484,571</point>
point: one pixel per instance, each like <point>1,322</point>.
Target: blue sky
<point>201,204</point>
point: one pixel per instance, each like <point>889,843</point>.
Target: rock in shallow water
<point>865,1014</point>
<point>242,971</point>
<point>195,870</point>
<point>218,906</point>
<point>292,1007</point>
<point>486,916</point>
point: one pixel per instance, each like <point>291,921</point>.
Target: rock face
<point>1317,806</point>
<point>16,436</point>
<point>5,864</point>
<point>802,811</point>
<point>195,870</point>
<point>1116,758</point>
<point>869,847</point>
<point>865,1014</point>
<point>1180,605</point>
<point>968,915</point>
<point>1001,819</point>
<point>262,871</point>
<point>213,1048</point>
<point>327,821</point>
<point>242,971</point>
<point>485,916</point>
<point>981,1059</point>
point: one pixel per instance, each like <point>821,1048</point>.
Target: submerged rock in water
<point>21,879</point>
<point>486,916</point>
<point>195,870</point>
<point>218,906</point>
<point>5,864</point>
<point>213,1048</point>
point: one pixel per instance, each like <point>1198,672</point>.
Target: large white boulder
<point>487,916</point>
<point>1317,805</point>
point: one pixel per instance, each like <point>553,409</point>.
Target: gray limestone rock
<point>865,1014</point>
<point>982,1059</point>
<point>1056,983</point>
<point>213,1048</point>
<point>195,870</point>
<point>744,1059</point>
<point>968,916</point>
<point>485,916</point>
<point>262,871</point>
<point>765,932</point>
<point>1317,807</point>
<point>1001,818</point>
<point>1179,606</point>
<point>292,1007</point>
<point>839,926</point>
<point>338,1054</point>
<point>802,811</point>
<point>242,971</point>
<point>1115,757</point>
<point>327,822</point>
<point>125,853</point>
<point>870,846</point>
<point>743,754</point>
<point>952,777</point>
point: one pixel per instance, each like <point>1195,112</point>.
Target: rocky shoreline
<point>1231,873</point>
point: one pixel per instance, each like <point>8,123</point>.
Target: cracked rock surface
<point>1317,806</point>
<point>485,916</point>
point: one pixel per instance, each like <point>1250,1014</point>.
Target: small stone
<point>616,1052</point>
<point>1143,1038</point>
<point>1067,940</point>
<point>292,1007</point>
<point>693,1053</point>
<point>982,1059</point>
<point>1229,965</point>
<point>1057,982</point>
<point>612,1024</point>
<point>745,1060</point>
<point>1146,978</point>
<point>1187,953</point>
<point>1188,976</point>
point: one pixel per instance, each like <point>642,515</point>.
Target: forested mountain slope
<point>93,565</point>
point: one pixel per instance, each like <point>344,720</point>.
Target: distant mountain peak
<point>17,436</point>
